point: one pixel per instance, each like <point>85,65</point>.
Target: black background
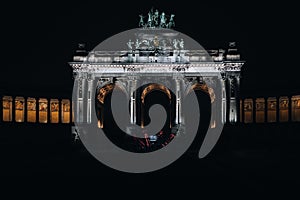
<point>39,38</point>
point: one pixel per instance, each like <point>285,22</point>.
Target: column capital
<point>90,77</point>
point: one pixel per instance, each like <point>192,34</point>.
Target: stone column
<point>224,102</point>
<point>90,80</point>
<point>79,98</point>
<point>218,106</point>
<point>132,88</point>
<point>211,83</point>
<point>213,120</point>
<point>178,114</point>
<point>101,83</point>
<point>237,96</point>
<point>232,101</point>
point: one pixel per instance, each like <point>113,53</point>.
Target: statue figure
<point>129,44</point>
<point>155,17</point>
<point>164,44</point>
<point>181,44</point>
<point>141,23</point>
<point>137,44</point>
<point>163,20</point>
<point>155,42</point>
<point>175,43</point>
<point>146,42</point>
<point>171,21</point>
<point>149,24</point>
<point>157,20</point>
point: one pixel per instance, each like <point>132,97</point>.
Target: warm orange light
<point>260,110</point>
<point>272,109</point>
<point>54,111</point>
<point>19,109</point>
<point>283,109</point>
<point>296,108</point>
<point>213,124</point>
<point>155,86</point>
<point>31,110</point>
<point>65,111</point>
<point>248,110</point>
<point>43,110</point>
<point>7,108</point>
<point>100,124</point>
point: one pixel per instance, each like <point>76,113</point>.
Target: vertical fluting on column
<point>232,99</point>
<point>213,112</point>
<point>84,97</point>
<point>177,104</point>
<point>228,94</point>
<point>178,117</point>
<point>132,88</point>
<point>89,98</point>
<point>210,83</point>
<point>224,102</point>
<point>134,101</point>
<point>131,101</point>
<point>237,97</point>
<point>141,106</point>
<point>79,98</point>
<point>218,102</point>
<point>214,101</point>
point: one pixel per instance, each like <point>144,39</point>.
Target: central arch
<point>155,86</point>
<point>152,87</point>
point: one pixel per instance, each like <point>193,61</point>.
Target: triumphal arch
<point>155,51</point>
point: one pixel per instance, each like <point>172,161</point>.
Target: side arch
<point>101,95</point>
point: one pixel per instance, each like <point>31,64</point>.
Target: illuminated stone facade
<point>102,71</point>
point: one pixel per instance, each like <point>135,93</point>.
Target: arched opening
<point>197,87</point>
<point>101,100</point>
<point>157,94</point>
<point>148,95</point>
<point>204,102</point>
<point>105,117</point>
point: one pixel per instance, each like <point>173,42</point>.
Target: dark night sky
<point>38,39</point>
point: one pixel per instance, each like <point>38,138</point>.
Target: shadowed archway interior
<point>147,96</point>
